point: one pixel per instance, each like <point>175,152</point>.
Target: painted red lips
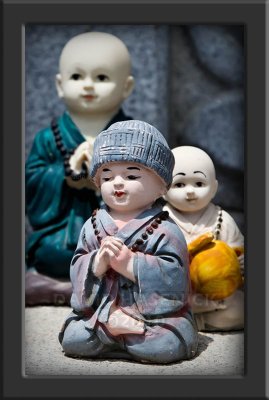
<point>119,193</point>
<point>88,96</point>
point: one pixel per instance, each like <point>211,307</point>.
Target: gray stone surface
<point>219,354</point>
<point>219,51</point>
<point>218,127</point>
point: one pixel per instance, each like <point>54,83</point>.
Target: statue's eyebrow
<point>180,173</point>
<point>199,172</point>
<point>106,170</point>
<point>130,168</point>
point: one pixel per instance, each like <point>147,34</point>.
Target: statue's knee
<point>70,347</point>
<point>234,315</point>
<point>84,343</point>
<point>231,318</point>
<point>75,338</point>
<point>159,345</point>
<point>167,355</point>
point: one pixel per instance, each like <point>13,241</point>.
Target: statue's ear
<point>58,83</point>
<point>128,86</point>
<point>216,185</point>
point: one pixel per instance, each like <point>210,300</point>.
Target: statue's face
<point>194,183</point>
<point>129,187</point>
<point>94,78</point>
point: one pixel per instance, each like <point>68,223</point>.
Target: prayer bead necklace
<point>66,154</point>
<point>218,225</point>
<point>144,236</point>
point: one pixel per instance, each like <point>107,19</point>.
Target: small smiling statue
<point>93,81</point>
<point>216,246</point>
<point>130,271</point>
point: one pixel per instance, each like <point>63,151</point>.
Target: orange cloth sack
<point>214,267</point>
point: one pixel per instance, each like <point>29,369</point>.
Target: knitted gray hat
<point>134,141</point>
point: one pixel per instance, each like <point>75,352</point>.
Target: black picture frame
<point>15,15</point>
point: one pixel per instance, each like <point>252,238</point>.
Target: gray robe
<point>159,297</point>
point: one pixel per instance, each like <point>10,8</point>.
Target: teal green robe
<point>55,211</point>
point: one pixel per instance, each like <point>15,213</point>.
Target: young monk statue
<point>130,271</point>
<point>214,240</point>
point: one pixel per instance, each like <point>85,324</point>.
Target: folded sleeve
<point>86,286</point>
<point>163,277</point>
<point>232,236</point>
<point>46,190</point>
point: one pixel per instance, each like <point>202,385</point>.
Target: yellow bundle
<point>214,267</point>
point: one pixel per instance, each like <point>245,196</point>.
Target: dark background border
<point>15,15</point>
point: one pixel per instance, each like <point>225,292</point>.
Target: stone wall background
<point>190,83</point>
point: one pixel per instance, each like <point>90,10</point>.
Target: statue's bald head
<point>193,158</point>
<point>99,46</point>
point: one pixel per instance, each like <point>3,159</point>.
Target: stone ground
<point>218,353</point>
